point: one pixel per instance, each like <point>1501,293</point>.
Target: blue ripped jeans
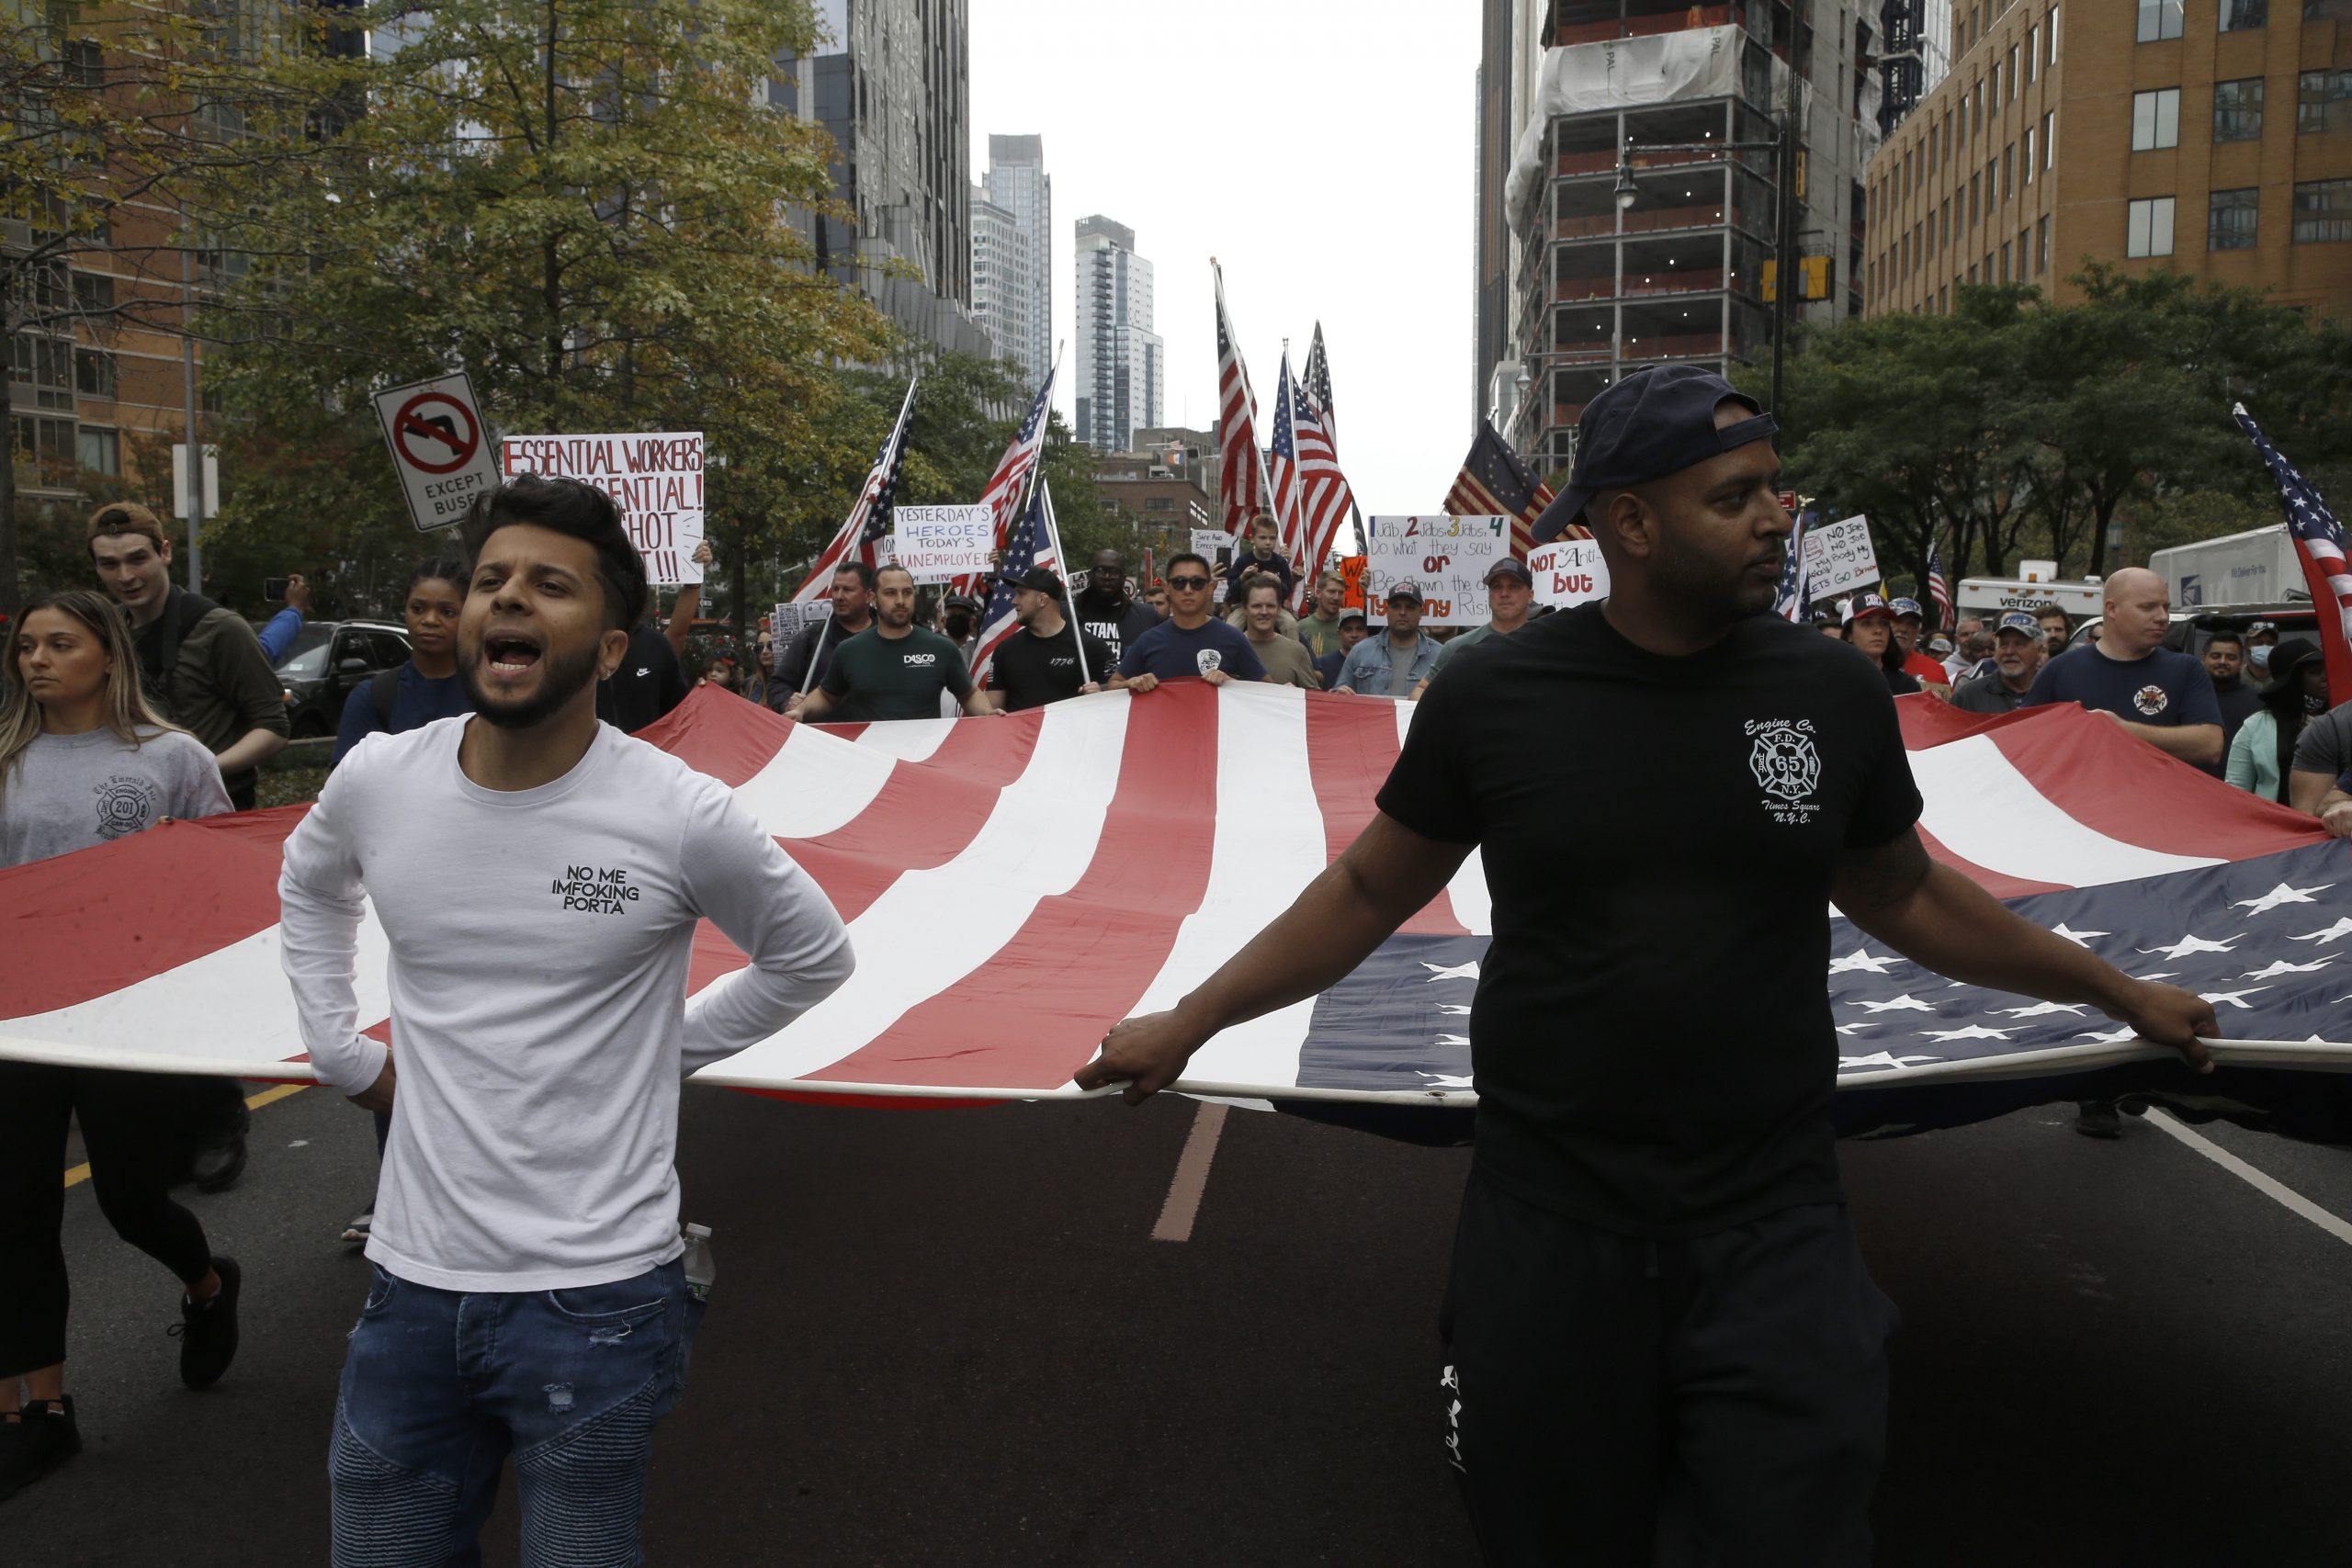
<point>440,1386</point>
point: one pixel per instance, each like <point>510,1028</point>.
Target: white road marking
<point>1191,1177</point>
<point>2268,1186</point>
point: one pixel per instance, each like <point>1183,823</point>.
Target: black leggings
<point>130,1124</point>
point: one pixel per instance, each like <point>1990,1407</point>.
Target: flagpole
<point>1052,532</point>
<point>893,453</point>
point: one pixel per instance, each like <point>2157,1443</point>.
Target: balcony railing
<point>1677,281</point>
<point>1644,27</point>
<point>1604,162</point>
<point>1684,345</point>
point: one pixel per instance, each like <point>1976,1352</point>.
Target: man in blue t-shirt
<point>2163,698</point>
<point>1191,641</point>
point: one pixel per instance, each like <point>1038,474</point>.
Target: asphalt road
<point>948,1336</point>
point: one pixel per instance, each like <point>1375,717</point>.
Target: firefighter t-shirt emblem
<point>2151,700</point>
<point>1782,758</point>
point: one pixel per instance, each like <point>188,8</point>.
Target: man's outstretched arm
<point>1389,873</point>
<point>1938,919</point>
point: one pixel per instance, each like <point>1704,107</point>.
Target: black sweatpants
<point>130,1124</point>
<point>1621,1402</point>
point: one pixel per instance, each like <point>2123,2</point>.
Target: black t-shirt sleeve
<point>2199,702</point>
<point>1889,801</point>
<point>1428,790</point>
<point>1100,665</point>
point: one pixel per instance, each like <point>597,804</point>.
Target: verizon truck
<point>2253,568</point>
<point>2036,587</point>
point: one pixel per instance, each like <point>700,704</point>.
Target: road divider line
<point>77,1175</point>
<point>2260,1180</point>
<point>1191,1177</point>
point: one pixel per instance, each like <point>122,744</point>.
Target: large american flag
<point>1241,482</point>
<point>868,523</point>
<point>1007,494</point>
<point>1792,601</point>
<point>1939,590</point>
<point>1016,885</point>
<point>1493,483</point>
<point>1033,542</point>
<point>2319,541</point>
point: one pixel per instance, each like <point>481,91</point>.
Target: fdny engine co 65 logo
<point>1786,765</point>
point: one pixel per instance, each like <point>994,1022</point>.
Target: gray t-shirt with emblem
<point>69,792</point>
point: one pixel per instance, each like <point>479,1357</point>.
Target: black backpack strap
<point>382,687</point>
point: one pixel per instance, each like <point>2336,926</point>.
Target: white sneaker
<point>357,1229</point>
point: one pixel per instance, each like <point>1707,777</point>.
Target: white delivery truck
<point>1990,596</point>
<point>2255,568</point>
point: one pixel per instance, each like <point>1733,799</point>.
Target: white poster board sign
<point>1568,571</point>
<point>1445,557</point>
<point>435,430</point>
<point>1208,541</point>
<point>938,544</point>
<point>1838,558</point>
<point>789,621</point>
<point>655,479</point>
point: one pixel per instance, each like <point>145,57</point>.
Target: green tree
<point>590,206</point>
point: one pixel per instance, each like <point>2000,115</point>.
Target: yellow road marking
<point>271,1096</point>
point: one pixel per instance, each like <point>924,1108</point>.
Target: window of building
<point>2041,245</point>
<point>2050,58</point>
<point>45,364</point>
<point>92,291</point>
<point>2155,119</point>
<point>1972,201</point>
<point>2049,139</point>
<point>2159,19</point>
<point>2237,16</point>
<point>1159,503</point>
<point>46,446</point>
<point>1947,136</point>
<point>2008,170</point>
<point>100,451</point>
<point>1995,84</point>
<point>2005,260</point>
<point>2323,211</point>
<point>1977,111</point>
<point>2027,163</point>
<point>1972,272</point>
<point>2013,73</point>
<point>2237,111</point>
<point>2148,228</point>
<point>2033,52</point>
<point>86,62</point>
<point>1943,212</point>
<point>2323,102</point>
<point>1943,300</point>
<point>2230,220</point>
<point>94,374</point>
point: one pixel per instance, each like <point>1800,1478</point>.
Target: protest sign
<point>654,479</point>
<point>1838,558</point>
<point>1445,557</point>
<point>435,433</point>
<point>1568,571</point>
<point>1214,544</point>
<point>789,621</point>
<point>938,544</point>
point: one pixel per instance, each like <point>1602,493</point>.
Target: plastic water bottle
<point>701,1269</point>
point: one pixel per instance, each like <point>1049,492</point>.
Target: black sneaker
<point>43,1437</point>
<point>208,1330</point>
<point>220,1161</point>
<point>2097,1119</point>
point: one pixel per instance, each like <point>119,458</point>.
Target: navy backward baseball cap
<point>1656,421</point>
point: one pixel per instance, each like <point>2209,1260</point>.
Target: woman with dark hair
<point>2263,752</point>
<point>426,687</point>
<point>84,761</point>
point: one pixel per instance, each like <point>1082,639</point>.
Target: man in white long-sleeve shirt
<point>537,877</point>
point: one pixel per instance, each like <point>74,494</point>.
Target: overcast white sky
<point>1322,152</point>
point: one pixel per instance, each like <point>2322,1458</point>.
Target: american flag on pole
<point>1282,471</point>
<point>1007,494</point>
<point>868,523</point>
<point>1792,601</point>
<point>1033,543</point>
<point>1315,388</point>
<point>1938,589</point>
<point>2318,542</point>
<point>1241,476</point>
<point>1493,483</point>
<point>1326,499</point>
<point>1014,886</point>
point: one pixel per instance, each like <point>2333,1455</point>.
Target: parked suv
<point>330,658</point>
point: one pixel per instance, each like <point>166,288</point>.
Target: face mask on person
<point>2260,656</point>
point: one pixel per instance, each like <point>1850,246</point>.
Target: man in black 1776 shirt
<point>1104,609</point>
<point>1039,664</point>
<point>1659,1329</point>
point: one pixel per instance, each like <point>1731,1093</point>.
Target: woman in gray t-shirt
<point>84,760</point>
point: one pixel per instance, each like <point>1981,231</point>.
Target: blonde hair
<point>126,710</point>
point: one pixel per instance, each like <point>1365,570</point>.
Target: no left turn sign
<point>435,430</point>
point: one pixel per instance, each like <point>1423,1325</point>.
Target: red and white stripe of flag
<point>1241,487</point>
<point>850,543</point>
<point>1326,498</point>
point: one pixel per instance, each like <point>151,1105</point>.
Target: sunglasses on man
<point>1192,583</point>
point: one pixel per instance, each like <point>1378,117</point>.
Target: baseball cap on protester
<point>1656,421</point>
<point>2020,622</point>
<point>124,517</point>
<point>1356,616</point>
<point>1511,566</point>
<point>1405,590</point>
<point>1038,580</point>
<point>1863,605</point>
<point>1902,607</point>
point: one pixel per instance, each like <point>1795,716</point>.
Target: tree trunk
<point>2102,510</point>
<point>10,598</point>
<point>742,588</point>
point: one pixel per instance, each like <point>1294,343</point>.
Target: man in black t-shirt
<point>1656,1290</point>
<point>1040,663</point>
<point>1103,608</point>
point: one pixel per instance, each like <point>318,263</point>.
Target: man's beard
<point>559,681</point>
